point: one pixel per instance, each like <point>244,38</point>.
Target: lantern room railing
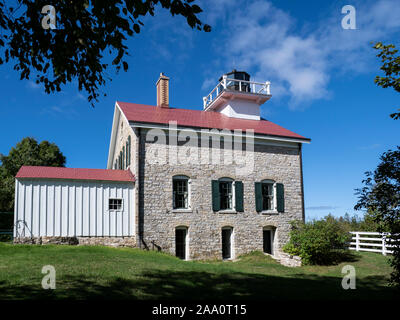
<point>236,85</point>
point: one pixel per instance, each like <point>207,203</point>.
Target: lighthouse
<point>236,96</point>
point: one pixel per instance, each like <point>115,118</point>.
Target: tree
<point>391,68</point>
<point>86,31</point>
<point>27,152</point>
<point>380,196</point>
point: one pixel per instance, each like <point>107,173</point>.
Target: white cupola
<point>237,97</point>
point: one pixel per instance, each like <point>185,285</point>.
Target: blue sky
<point>322,86</point>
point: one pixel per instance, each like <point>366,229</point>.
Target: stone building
<point>209,184</point>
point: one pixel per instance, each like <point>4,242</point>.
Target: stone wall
<point>158,220</point>
<point>288,260</point>
<point>105,241</point>
<point>124,130</point>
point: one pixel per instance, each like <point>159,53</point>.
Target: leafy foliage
<point>86,31</point>
<point>381,196</point>
<point>318,241</point>
<point>27,152</point>
<point>355,223</point>
<point>391,68</point>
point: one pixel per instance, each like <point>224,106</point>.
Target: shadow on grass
<point>198,286</point>
<point>336,257</point>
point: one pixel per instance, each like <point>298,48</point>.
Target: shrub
<point>318,241</point>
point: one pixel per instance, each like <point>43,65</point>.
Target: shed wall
<point>71,208</point>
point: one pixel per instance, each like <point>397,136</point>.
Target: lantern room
<point>237,96</point>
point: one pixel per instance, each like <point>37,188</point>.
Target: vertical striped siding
<point>73,208</point>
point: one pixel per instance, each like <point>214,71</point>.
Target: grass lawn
<point>95,272</point>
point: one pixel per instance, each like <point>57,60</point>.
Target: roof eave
<point>153,125</point>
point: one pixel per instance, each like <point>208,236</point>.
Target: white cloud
<point>266,41</point>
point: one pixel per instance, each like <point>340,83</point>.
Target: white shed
<point>67,202</point>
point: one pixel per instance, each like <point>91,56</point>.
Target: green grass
<point>96,272</point>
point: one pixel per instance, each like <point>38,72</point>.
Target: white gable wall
<point>241,109</point>
<point>72,208</point>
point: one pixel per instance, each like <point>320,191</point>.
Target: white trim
<point>220,133</point>
<point>111,151</point>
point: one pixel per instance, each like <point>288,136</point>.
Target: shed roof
<point>75,174</point>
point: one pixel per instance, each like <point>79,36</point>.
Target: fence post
<point>384,244</point>
<point>357,241</point>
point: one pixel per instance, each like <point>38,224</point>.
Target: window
<point>114,204</point>
<point>181,192</point>
<point>227,195</point>
<point>269,196</point>
<point>267,189</point>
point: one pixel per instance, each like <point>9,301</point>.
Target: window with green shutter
<point>269,196</point>
<point>267,190</point>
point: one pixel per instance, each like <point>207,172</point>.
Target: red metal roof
<point>75,174</point>
<point>201,119</point>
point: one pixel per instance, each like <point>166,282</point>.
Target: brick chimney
<point>163,91</point>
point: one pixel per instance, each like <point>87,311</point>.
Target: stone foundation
<point>105,241</point>
<point>288,260</point>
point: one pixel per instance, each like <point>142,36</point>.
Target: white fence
<point>370,241</point>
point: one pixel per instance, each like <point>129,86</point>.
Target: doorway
<point>180,243</point>
<point>268,241</point>
<point>227,243</point>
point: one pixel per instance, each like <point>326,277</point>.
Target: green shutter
<point>239,195</point>
<point>280,197</point>
<point>215,195</point>
<point>258,193</point>
<point>129,150</point>
<point>126,155</point>
<point>123,158</point>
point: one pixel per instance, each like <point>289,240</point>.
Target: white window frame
<point>233,209</point>
<point>115,210</point>
<point>189,196</point>
<point>275,202</point>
